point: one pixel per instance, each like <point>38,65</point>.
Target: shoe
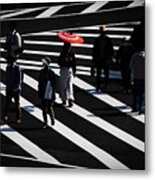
<point>45,126</point>
<point>70,103</point>
<point>52,122</point>
<point>18,121</point>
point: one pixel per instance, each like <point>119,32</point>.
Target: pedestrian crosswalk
<point>99,131</point>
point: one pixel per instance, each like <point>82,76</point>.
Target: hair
<point>102,29</point>
<point>13,25</point>
<point>66,47</point>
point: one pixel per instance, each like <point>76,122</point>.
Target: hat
<point>46,60</point>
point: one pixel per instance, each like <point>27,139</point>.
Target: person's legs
<point>127,80</point>
<point>135,95</point>
<point>51,111</point>
<point>70,91</point>
<point>141,96</point>
<point>123,79</point>
<point>6,107</point>
<point>44,111</point>
<point>98,78</point>
<point>106,73</point>
<point>18,109</point>
<point>63,84</point>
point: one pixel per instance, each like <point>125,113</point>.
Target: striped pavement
<point>99,131</point>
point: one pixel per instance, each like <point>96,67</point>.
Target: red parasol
<point>70,38</point>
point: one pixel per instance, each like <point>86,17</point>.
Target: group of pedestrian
<point>47,78</point>
<point>132,65</point>
<point>47,83</point>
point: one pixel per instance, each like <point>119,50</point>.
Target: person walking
<point>102,54</point>
<point>13,90</point>
<point>123,56</point>
<point>46,90</point>
<point>137,66</point>
<point>67,65</point>
<point>14,43</point>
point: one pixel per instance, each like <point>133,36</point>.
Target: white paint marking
<point>27,145</point>
<point>94,7</point>
<point>55,54</point>
<point>54,43</point>
<point>103,97</point>
<point>136,3</point>
<point>50,11</point>
<point>91,35</point>
<point>95,120</point>
<point>21,12</point>
<point>80,70</point>
<point>77,139</point>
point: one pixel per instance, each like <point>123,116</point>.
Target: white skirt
<point>66,83</point>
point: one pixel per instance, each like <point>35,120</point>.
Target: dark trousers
<point>47,107</point>
<point>125,77</point>
<point>138,95</point>
<point>9,96</point>
<point>99,73</point>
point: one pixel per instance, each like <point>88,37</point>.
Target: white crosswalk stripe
<point>102,97</point>
<point>21,12</point>
<point>95,151</point>
<point>50,11</point>
<point>116,31</point>
<point>90,117</point>
<point>94,7</point>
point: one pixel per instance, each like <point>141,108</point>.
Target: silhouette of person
<point>102,54</point>
<point>67,65</point>
<point>123,56</point>
<point>14,43</point>
<point>137,66</point>
<point>46,90</point>
<point>13,90</point>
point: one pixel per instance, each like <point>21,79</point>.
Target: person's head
<point>46,61</point>
<point>12,26</point>
<point>103,30</point>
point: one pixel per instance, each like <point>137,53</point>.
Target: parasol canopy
<point>70,37</point>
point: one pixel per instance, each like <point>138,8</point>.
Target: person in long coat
<point>137,66</point>
<point>46,90</point>
<point>102,54</point>
<point>67,65</point>
<point>14,43</point>
<point>124,55</point>
<point>13,90</point>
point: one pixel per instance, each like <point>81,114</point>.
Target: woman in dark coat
<point>46,90</point>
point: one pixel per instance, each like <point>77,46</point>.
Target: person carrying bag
<point>46,91</point>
